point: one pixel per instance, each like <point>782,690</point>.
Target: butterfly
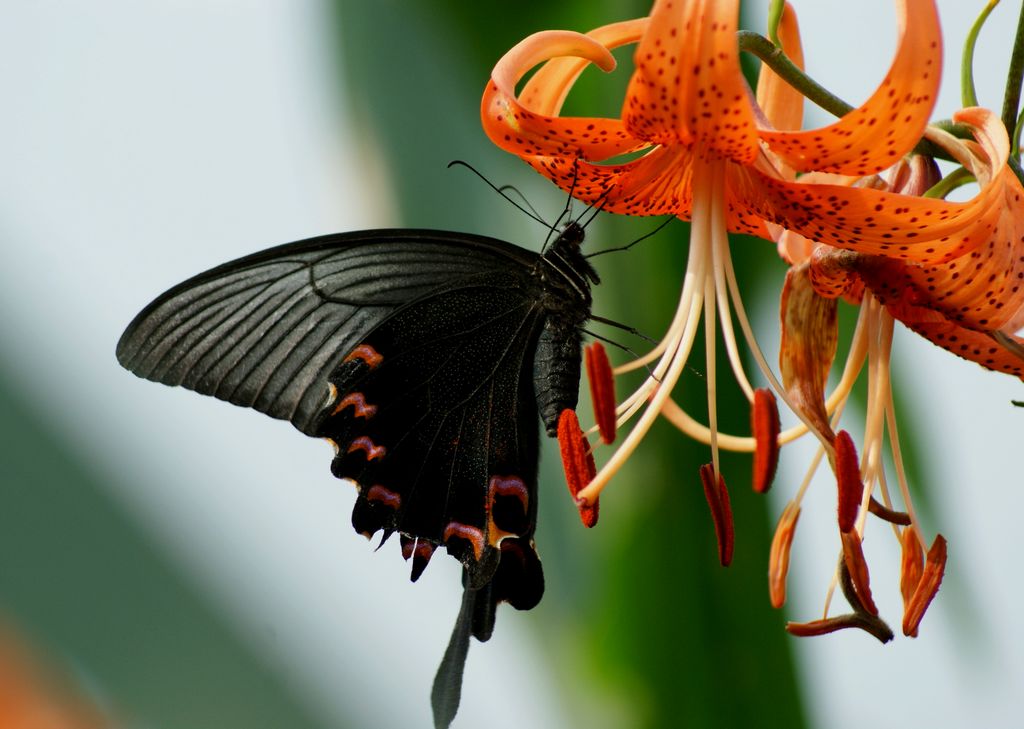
<point>425,358</point>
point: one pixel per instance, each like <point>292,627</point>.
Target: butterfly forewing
<point>265,331</point>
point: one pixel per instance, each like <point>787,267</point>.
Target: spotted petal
<point>874,136</point>
<point>688,87</point>
<point>905,227</point>
<point>530,126</point>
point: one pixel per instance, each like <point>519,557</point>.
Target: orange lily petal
<point>874,136</point>
<point>973,345</point>
<point>985,289</point>
<point>871,221</point>
<point>546,90</point>
<point>522,130</point>
<point>783,105</point>
<point>688,87</point>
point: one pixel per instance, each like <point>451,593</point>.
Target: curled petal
<point>809,338</point>
<point>517,128</point>
<point>547,89</point>
<point>875,135</point>
<point>923,230</point>
<point>688,87</point>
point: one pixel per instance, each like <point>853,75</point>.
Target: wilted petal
<point>927,587</point>
<point>809,338</point>
<point>911,565</point>
<point>778,560</point>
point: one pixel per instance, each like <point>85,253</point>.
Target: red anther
<point>927,587</point>
<point>778,561</point>
<point>764,424</point>
<point>851,487</point>
<point>602,389</point>
<point>911,565</point>
<point>578,463</point>
<point>721,511</point>
<point>857,566</point>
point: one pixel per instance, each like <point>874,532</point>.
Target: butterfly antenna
<point>623,327</point>
<point>516,190</point>
<point>627,247</point>
<point>490,184</point>
<point>597,206</point>
<point>623,347</point>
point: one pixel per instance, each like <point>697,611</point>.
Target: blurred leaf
<point>84,585</point>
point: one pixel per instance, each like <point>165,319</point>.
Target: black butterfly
<point>425,358</point>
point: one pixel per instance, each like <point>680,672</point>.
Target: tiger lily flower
<point>701,148</point>
<point>708,153</point>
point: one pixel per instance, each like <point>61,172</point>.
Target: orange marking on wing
<point>384,496</point>
<point>470,533</point>
<point>358,402</point>
<point>372,450</point>
<point>367,354</point>
<point>507,486</point>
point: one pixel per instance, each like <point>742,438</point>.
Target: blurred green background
<point>217,584</point>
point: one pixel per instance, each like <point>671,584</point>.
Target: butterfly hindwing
<point>436,421</point>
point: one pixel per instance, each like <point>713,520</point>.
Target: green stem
<point>950,182</point>
<point>775,11</point>
<point>777,61</point>
<point>968,93</point>
<point>1011,96</point>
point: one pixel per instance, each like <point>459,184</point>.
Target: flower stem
<point>777,61</point>
<point>1011,96</point>
<point>968,93</point>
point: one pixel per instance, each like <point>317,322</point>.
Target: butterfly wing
<point>440,434</point>
<point>265,331</point>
